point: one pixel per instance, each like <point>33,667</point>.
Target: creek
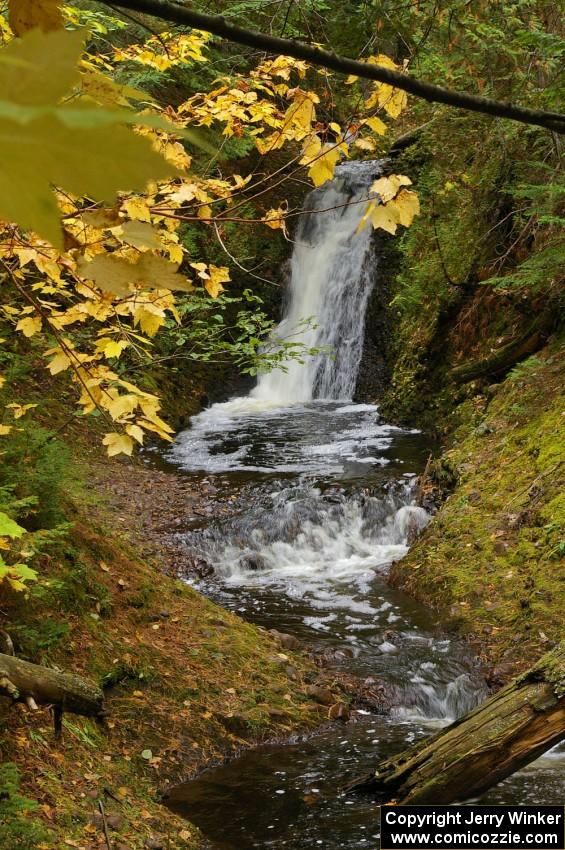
<point>322,496</point>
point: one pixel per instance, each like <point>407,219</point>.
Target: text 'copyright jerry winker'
<point>472,827</point>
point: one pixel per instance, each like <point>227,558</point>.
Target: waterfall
<point>332,274</point>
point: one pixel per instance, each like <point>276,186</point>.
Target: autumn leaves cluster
<point>96,181</point>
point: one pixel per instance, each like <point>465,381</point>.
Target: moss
<point>491,558</point>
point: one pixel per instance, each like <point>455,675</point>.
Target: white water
<point>321,501</point>
<point>296,549</point>
<point>332,274</point>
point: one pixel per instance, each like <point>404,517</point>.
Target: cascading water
<point>333,269</point>
<point>321,496</point>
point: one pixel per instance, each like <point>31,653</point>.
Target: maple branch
<point>181,14</point>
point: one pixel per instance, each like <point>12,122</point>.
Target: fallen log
<point>506,732</point>
<point>499,363</point>
<point>35,685</point>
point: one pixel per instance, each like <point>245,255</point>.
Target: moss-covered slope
<point>492,559</point>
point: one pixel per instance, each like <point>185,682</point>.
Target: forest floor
<point>187,684</point>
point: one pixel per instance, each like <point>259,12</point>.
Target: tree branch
<point>181,14</point>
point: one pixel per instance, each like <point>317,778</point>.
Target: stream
<point>322,499</point>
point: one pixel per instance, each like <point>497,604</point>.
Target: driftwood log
<point>506,732</point>
<point>35,685</point>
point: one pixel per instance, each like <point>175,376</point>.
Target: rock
<point>115,821</point>
<point>252,562</point>
<point>155,842</point>
<point>286,641</point>
<point>483,429</point>
<point>339,711</point>
<point>235,723</point>
<point>277,713</point>
<point>322,695</point>
<point>291,672</point>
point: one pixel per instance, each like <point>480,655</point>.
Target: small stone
<point>286,641</point>
<point>291,672</point>
<point>322,695</point>
<point>115,821</point>
<point>155,842</point>
<point>483,429</point>
<point>339,711</point>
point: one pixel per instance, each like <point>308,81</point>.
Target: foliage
<point>103,286</point>
<point>19,830</point>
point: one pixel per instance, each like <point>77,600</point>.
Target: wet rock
<point>286,641</point>
<point>321,695</point>
<point>252,562</point>
<point>339,711</point>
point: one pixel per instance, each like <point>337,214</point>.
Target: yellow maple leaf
<point>275,219</point>
<point>137,209</point>
<point>376,125</point>
<point>59,363</point>
<point>111,347</point>
<point>148,321</point>
<point>407,205</point>
<point>19,410</point>
<point>28,14</point>
<point>30,325</point>
<point>322,169</point>
<point>364,144</point>
<point>387,187</point>
<point>385,216</point>
<point>217,276</point>
<point>136,432</point>
<point>122,405</point>
<point>118,444</point>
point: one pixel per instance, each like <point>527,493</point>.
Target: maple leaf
<point>118,444</point>
<point>19,410</point>
<point>117,275</point>
<point>44,144</point>
<point>30,325</point>
<point>275,219</point>
<point>28,14</point>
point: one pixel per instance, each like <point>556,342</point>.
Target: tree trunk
<point>36,685</point>
<point>508,731</point>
